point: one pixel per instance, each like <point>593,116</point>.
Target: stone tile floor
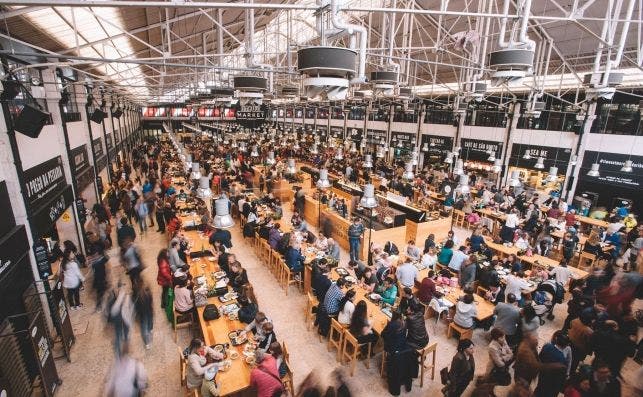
<point>93,353</point>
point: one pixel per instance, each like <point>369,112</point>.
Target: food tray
<point>228,297</point>
<point>237,340</point>
<point>341,272</point>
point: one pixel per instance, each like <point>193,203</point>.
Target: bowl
<point>251,360</point>
<point>233,355</point>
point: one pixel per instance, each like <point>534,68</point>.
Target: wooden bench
<point>465,333</point>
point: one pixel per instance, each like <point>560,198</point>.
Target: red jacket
<point>266,384</point>
<point>164,276</point>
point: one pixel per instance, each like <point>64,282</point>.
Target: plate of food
<point>375,297</point>
<point>218,348</point>
<point>225,365</point>
<point>237,338</point>
<point>211,258</point>
<point>342,272</point>
<point>350,279</point>
<point>219,275</point>
<point>251,360</point>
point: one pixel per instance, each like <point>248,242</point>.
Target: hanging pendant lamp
<point>540,163</point>
<point>594,171</point>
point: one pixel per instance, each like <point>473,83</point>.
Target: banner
<point>553,156</point>
<point>610,169</point>
<point>375,136</point>
<point>43,181</point>
<point>473,149</point>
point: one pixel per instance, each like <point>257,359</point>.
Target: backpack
<point>540,298</point>
<point>391,248</point>
<point>210,312</point>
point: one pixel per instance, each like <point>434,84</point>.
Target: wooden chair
<point>429,349</point>
<point>288,380</point>
<point>275,257</point>
<point>177,323</point>
<point>183,368</point>
<point>351,349</point>
<point>586,261</point>
<point>336,338</point>
<point>311,303</point>
<point>384,355</point>
<point>286,355</point>
<point>481,291</point>
<point>464,333</point>
<point>458,218</point>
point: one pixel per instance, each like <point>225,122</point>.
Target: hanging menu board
<point>610,169</point>
<point>354,134</point>
<point>375,136</point>
<point>473,149</point>
<point>337,132</point>
<point>42,259</point>
<point>436,144</point>
<point>43,181</point>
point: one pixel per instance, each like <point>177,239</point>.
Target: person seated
<point>296,220</point>
<point>427,289</point>
<point>495,294</point>
<point>512,263</point>
<point>452,237</point>
<point>368,279</point>
<point>417,336</point>
<point>274,236</point>
<point>446,253</point>
<point>183,296</point>
<point>523,242</point>
<point>321,243</point>
<point>387,291</point>
<point>238,276</point>
<point>476,239</point>
<point>407,299</point>
<point>465,312</point>
<point>209,386</point>
<point>333,249</point>
<point>346,308</point>
<point>407,273</point>
<point>413,251</point>
<point>429,258</point>
<point>264,377</point>
<point>383,260</point>
<point>458,258</point>
<point>360,326</point>
<point>256,325</point>
<point>294,259</point>
<point>391,249</point>
<point>268,336</point>
<point>320,281</point>
<point>197,362</point>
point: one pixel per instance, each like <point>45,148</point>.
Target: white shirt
<point>515,285</point>
<point>512,220</point>
<point>72,277</point>
<point>344,316</point>
<point>429,261</point>
<point>562,274</point>
<point>406,274</point>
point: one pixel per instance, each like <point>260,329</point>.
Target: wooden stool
<point>336,337</point>
<point>465,333</point>
<point>311,303</point>
<point>176,323</point>
<point>458,218</point>
<point>288,381</point>
<point>586,261</point>
<point>274,263</point>
<point>431,348</point>
<point>351,349</point>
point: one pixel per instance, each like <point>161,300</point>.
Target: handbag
<point>210,312</point>
<point>500,376</point>
<point>444,375</point>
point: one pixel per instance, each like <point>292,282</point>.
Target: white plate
<point>350,279</point>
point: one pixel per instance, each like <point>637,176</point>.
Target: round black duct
<point>222,92</point>
<point>383,76</point>
<point>511,59</point>
<point>326,61</point>
<point>250,83</point>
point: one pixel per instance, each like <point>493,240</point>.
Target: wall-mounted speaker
<point>30,121</point>
<point>10,90</point>
<point>117,113</point>
<point>98,116</point>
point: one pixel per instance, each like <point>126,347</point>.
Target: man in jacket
<point>355,233</point>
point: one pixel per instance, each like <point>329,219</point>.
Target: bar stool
<point>351,349</point>
<point>177,323</point>
<point>423,353</point>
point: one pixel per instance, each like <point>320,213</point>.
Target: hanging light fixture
<point>291,169</point>
<point>425,147</point>
<point>380,152</point>
<point>492,156</point>
<point>255,152</point>
<point>627,167</point>
<point>339,155</point>
<point>497,166</point>
<point>540,163</point>
<point>527,155</point>
<point>353,148</point>
<point>270,160</point>
<point>323,182</point>
<point>514,180</point>
<point>204,191</point>
<point>331,143</point>
<point>463,186</point>
<point>449,158</point>
<point>222,219</point>
<point>432,144</point>
<point>188,162</point>
<point>594,171</point>
<point>458,169</point>
<point>234,144</point>
<point>574,159</point>
<point>368,199</point>
<point>553,174</point>
<point>368,161</point>
<point>313,149</point>
<point>196,171</point>
<point>408,171</point>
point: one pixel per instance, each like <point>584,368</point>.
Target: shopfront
<point>476,156</point>
<point>101,166</point>
<point>434,148</point>
<point>402,143</point>
<point>534,164</point>
<point>612,186</point>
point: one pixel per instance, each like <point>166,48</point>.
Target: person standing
<point>99,261</point>
<point>120,315</point>
<point>127,377</point>
<point>72,279</point>
<point>164,275</point>
<point>355,233</point>
<point>462,369</point>
<point>143,304</point>
<point>507,318</point>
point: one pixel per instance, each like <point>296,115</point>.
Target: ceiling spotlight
<point>594,171</point>
<point>627,167</point>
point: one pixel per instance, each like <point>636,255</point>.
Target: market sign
<point>98,147</point>
<point>354,134</point>
<point>337,132</point>
<point>79,159</point>
<point>44,181</point>
<point>610,169</point>
<point>473,149</point>
<point>554,156</point>
<point>43,218</point>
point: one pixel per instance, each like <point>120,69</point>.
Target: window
<point>485,115</point>
<point>66,82</point>
<point>618,118</point>
<point>356,113</point>
<point>438,115</point>
<point>31,80</point>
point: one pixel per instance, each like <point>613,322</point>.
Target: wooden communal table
<point>484,307</point>
<point>375,315</point>
<point>503,250</point>
<point>236,379</point>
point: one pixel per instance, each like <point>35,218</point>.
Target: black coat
<point>416,337</point>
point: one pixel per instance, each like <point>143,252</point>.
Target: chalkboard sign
<point>473,149</point>
<point>6,213</point>
<point>42,259</point>
<point>402,139</point>
<point>43,181</point>
<point>375,136</point>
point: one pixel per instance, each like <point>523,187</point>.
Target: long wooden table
<point>237,378</point>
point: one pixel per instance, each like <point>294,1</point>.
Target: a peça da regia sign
<point>44,181</point>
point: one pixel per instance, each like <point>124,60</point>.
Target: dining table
<point>235,379</point>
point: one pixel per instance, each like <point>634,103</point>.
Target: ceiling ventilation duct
<point>384,83</point>
<point>477,91</point>
<point>327,70</point>
<point>597,89</point>
<point>250,89</point>
<point>515,59</point>
<point>535,108</point>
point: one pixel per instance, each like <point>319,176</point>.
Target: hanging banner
<point>44,181</point>
<point>354,134</point>
<point>473,149</point>
<point>553,156</point>
<point>13,246</point>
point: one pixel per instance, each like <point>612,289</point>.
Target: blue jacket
<point>294,259</point>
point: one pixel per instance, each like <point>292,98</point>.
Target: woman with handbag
<point>462,369</point>
<point>72,278</point>
<point>264,378</point>
<point>500,357</point>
